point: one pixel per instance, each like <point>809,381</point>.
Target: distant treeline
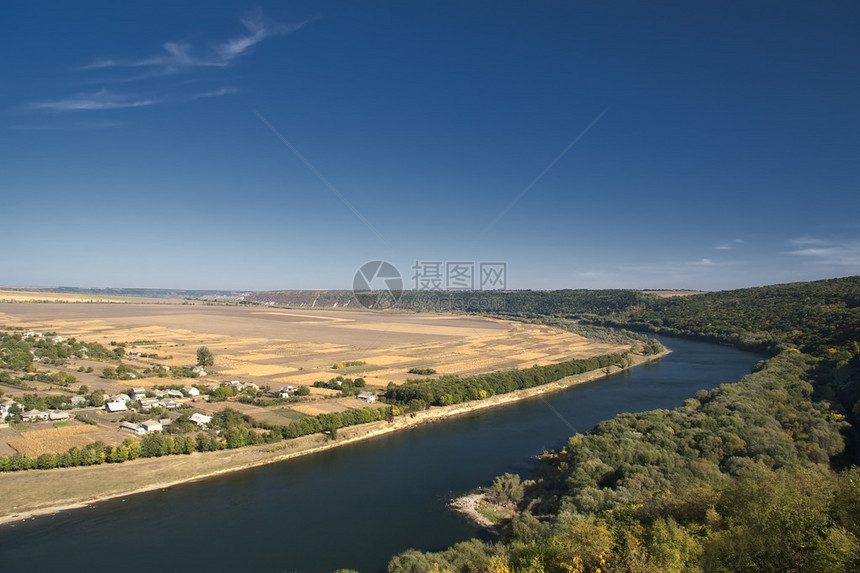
<point>516,303</point>
<point>812,316</point>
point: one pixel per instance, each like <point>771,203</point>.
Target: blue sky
<point>160,144</point>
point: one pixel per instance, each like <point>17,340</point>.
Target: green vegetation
<point>347,364</point>
<point>422,371</point>
<point>121,372</point>
<point>448,390</point>
<point>228,429</point>
<point>347,386</point>
<point>740,478</point>
<point>204,357</point>
<point>811,316</point>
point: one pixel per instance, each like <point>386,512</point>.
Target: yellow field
<point>53,440</point>
<point>35,296</point>
<point>320,408</point>
<point>280,347</point>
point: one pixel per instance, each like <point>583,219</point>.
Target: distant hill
<point>312,298</point>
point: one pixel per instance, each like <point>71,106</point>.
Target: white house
<point>252,386</point>
<point>190,391</point>
<point>138,393</point>
<point>77,400</point>
<point>34,416</point>
<point>149,403</point>
<point>237,385</point>
<point>58,416</point>
<point>199,370</point>
<point>201,420</point>
<point>131,427</point>
<point>175,394</point>
<point>116,407</point>
<point>120,398</point>
<point>368,397</point>
<point>152,426</point>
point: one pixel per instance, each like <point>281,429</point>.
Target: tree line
<point>447,390</point>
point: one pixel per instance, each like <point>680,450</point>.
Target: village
<point>43,412</point>
<point>92,382</point>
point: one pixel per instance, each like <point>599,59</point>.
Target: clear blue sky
<point>137,151</point>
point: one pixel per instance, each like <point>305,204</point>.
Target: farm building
<point>116,407</point>
<point>152,426</point>
<point>131,427</point>
<point>34,416</point>
<point>368,397</point>
<point>200,419</point>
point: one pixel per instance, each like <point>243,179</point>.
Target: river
<point>354,506</point>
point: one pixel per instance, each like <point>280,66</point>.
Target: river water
<point>354,506</point>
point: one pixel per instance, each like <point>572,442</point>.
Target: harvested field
<point>52,440</point>
<point>278,347</point>
<point>320,408</point>
<point>36,296</point>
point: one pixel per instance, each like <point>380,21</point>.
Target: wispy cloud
<point>825,252</point>
<point>703,263</point>
<point>729,245</point>
<point>178,56</point>
<point>215,93</point>
<point>100,100</point>
<point>807,241</point>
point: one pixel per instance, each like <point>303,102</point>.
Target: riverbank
<point>39,492</point>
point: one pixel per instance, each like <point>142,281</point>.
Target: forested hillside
<point>813,316</point>
<point>740,478</point>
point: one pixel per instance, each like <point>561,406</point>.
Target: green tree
<point>204,357</point>
<point>507,489</point>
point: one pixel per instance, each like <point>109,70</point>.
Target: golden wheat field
<point>278,347</point>
<point>51,440</point>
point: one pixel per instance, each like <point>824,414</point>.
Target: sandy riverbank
<point>39,492</point>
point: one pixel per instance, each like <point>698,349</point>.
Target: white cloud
<point>216,93</point>
<point>806,241</point>
<point>729,245</point>
<point>100,100</point>
<point>827,253</point>
<point>703,263</point>
<point>182,56</point>
<point>175,57</point>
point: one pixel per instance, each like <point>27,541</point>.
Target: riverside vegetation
<point>751,476</point>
